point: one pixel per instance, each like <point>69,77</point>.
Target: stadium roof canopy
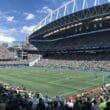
<point>91,20</point>
<point>66,9</point>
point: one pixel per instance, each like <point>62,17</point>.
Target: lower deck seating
<point>85,61</point>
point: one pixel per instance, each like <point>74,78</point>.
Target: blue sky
<point>19,17</point>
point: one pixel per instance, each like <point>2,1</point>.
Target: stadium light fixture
<point>76,30</point>
<point>107,17</point>
<point>100,24</point>
<point>87,27</point>
<point>95,25</point>
<point>80,29</point>
<point>97,19</point>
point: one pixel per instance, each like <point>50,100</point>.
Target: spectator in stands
<point>40,105</point>
<point>102,104</point>
<point>2,105</point>
<point>77,104</point>
<point>108,103</point>
<point>29,106</point>
<point>68,107</point>
<point>95,105</point>
<point>87,104</point>
<point>35,101</point>
<point>15,98</point>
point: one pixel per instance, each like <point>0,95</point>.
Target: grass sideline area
<point>54,81</point>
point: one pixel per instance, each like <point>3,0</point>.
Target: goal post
<point>106,79</point>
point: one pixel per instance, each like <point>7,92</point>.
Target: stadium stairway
<point>32,63</point>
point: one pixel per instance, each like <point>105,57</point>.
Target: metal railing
<point>73,6</point>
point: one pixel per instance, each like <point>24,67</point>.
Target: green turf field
<point>55,82</point>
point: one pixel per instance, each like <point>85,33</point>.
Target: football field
<point>53,81</point>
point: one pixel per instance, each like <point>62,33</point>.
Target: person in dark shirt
<point>87,105</point>
<point>108,104</point>
<point>29,106</point>
<point>40,105</point>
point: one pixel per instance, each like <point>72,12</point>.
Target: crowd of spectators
<point>98,61</point>
<point>99,41</point>
<point>67,55</point>
<point>19,98</point>
<point>6,54</point>
<point>77,60</point>
<point>13,63</point>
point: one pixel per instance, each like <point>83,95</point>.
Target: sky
<point>19,17</point>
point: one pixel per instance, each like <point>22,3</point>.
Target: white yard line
<point>70,92</point>
<point>60,85</point>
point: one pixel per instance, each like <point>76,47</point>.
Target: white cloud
<point>6,39</point>
<point>10,18</point>
<point>47,9</point>
<point>29,16</point>
<point>27,29</point>
<point>4,16</point>
<point>8,31</point>
<point>6,35</point>
<point>44,10</point>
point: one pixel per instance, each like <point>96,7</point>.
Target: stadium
<point>63,64</point>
